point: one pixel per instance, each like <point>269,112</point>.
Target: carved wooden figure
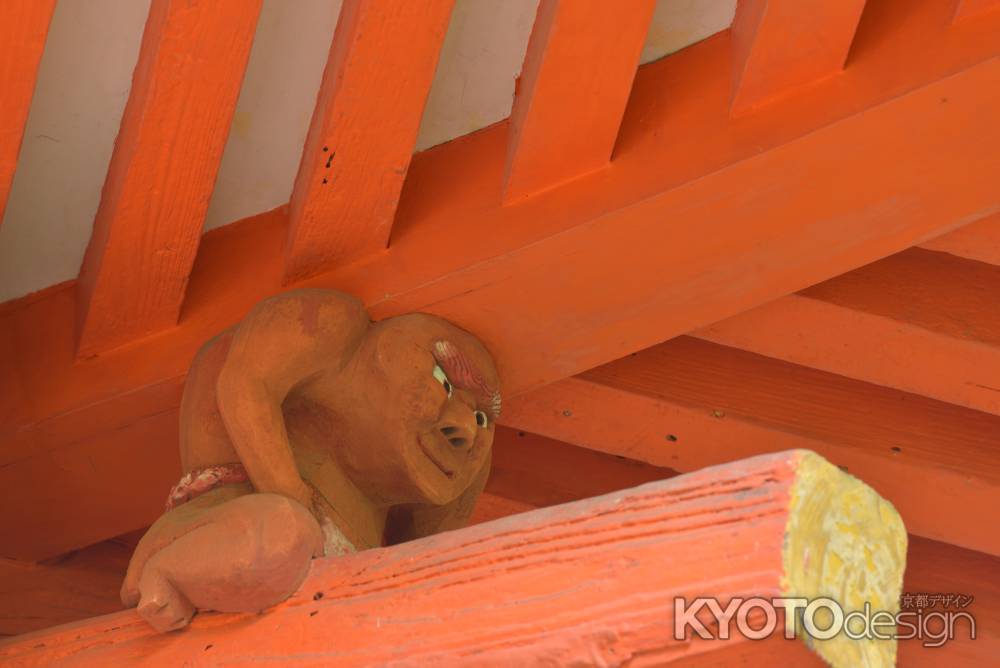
<point>309,430</point>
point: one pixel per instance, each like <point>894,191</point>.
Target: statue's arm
<point>281,343</point>
<point>413,521</point>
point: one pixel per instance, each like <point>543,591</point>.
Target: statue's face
<point>429,411</point>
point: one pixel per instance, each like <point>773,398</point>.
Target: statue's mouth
<point>437,462</point>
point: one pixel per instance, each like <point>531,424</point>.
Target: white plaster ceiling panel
<point>680,23</point>
<point>480,59</point>
<point>83,83</point>
<point>275,106</point>
<point>85,76</point>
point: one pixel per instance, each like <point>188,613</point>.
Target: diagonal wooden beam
<point>603,574</point>
<point>935,567</point>
<point>163,169</point>
<point>970,9</point>
<point>780,45</point>
<point>688,403</point>
<point>919,321</point>
<point>75,586</point>
<point>978,241</point>
<point>631,267</point>
<point>699,217</point>
<point>363,130</point>
<point>23,27</point>
<point>576,78</point>
<point>528,473</point>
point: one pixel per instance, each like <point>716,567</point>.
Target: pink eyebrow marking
<point>463,372</point>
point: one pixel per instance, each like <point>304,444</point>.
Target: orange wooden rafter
<point>86,582</point>
<point>475,596</point>
<point>931,567</point>
<point>919,321</point>
<point>978,241</point>
<point>627,271</point>
<point>163,169</point>
<point>577,74</point>
<point>81,584</point>
<point>527,474</point>
<point>699,218</point>
<point>24,25</point>
<point>969,9</point>
<point>363,130</point>
<point>779,45</point>
<point>688,403</point>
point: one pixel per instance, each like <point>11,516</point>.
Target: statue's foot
<point>160,604</point>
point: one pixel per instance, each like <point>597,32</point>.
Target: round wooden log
<point>593,582</point>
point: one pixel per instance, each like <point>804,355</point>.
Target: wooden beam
<point>23,27</point>
<point>978,241</point>
<point>527,474</point>
<point>73,496</point>
<point>576,79</point>
<point>937,568</point>
<point>79,585</point>
<point>363,130</point>
<point>918,321</point>
<point>682,276</point>
<point>970,9</point>
<point>602,573</point>
<point>689,403</point>
<point>781,45</point>
<point>529,471</point>
<point>693,217</point>
<point>163,169</point>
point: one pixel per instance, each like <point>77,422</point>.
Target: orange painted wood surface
<point>528,473</point>
<point>591,582</point>
<point>24,25</point>
<point>163,169</point>
<point>73,496</point>
<point>73,587</point>
<point>576,79</point>
<point>32,595</point>
<point>780,45</point>
<point>978,241</point>
<point>363,130</point>
<point>531,471</point>
<point>689,403</point>
<point>919,321</point>
<point>970,9</point>
<point>936,568</point>
<point>697,214</point>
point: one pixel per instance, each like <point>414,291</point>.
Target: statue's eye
<point>481,419</point>
<point>440,377</point>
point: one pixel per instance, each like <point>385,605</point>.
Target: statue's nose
<point>458,424</point>
<point>457,436</point>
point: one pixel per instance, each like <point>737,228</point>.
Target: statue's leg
<point>244,554</point>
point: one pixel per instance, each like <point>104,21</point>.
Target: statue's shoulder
<point>312,309</point>
<point>305,298</point>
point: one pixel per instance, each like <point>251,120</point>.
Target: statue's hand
<point>243,555</point>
